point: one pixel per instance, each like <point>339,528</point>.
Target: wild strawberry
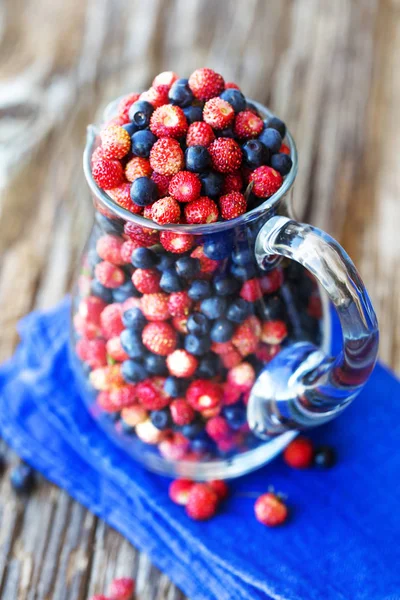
<point>284,149</point>
<point>220,488</point>
<point>218,428</point>
<point>132,415</point>
<point>147,212</point>
<point>159,338</point>
<point>126,250</point>
<point>137,167</point>
<point>131,303</point>
<point>248,125</point>
<point>174,447</point>
<point>155,306</point>
<point>166,210</point>
<point>181,412</point>
<point>149,434</point>
<point>157,96</point>
<point>179,491</point>
<point>272,281</point>
<point>146,236</point>
<point>123,396</point>
<point>218,113</point>
<point>203,394</point>
<point>168,121</point>
<point>299,454</point>
<point>185,186</point>
<point>247,335</point>
<point>166,78</point>
<point>231,359</point>
<point>166,156</point>
<point>202,210</point>
<point>115,350</point>
<point>122,196</point>
<point>90,309</point>
<point>200,134</point>
<point>231,394</point>
<point>270,510</point>
<point>108,247</point>
<point>93,352</point>
<point>109,275</point>
<point>274,332</point>
<point>231,85</point>
<point>179,304</point>
<point>147,281</point>
<point>106,378</point>
<point>242,376</point>
<point>181,364</point>
<point>222,347</point>
<point>233,183</point>
<point>176,242</point>
<point>98,154</point>
<point>266,181</point>
<point>226,155</point>
<point>266,352</point>
<point>162,183</point>
<point>107,173</point>
<point>210,413</point>
<point>115,141</point>
<point>206,83</point>
<point>207,265</point>
<point>251,290</point>
<point>122,589</point>
<point>232,205</point>
<point>180,324</point>
<point>111,320</point>
<point>151,394</point>
<point>125,103</point>
<point>202,502</point>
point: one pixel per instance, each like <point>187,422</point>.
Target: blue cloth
<point>342,541</point>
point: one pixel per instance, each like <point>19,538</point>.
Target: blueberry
<point>255,154</point>
<point>125,291</point>
<point>170,281</point>
<point>165,262</point>
<point>243,273</point>
<point>143,191</point>
<point>192,430</point>
<point>161,419</point>
<point>218,246</point>
<point>131,128</point>
<point>180,93</point>
<point>22,479</point>
<point>214,307</point>
<point>235,415</point>
<point>99,290</point>
<point>126,428</point>
<point>143,258</point>
<point>197,158</point>
<point>271,308</point>
<point>131,342</point>
<point>227,133</point>
<point>197,345</point>
<point>193,113</point>
<point>187,267</point>
<point>108,225</point>
<point>175,387</point>
<point>199,289</point>
<point>275,123</point>
<point>156,365</point>
<point>113,417</point>
<point>198,324</point>
<point>222,331</point>
<point>325,457</point>
<point>140,113</point>
<point>208,366</point>
<point>281,162</point>
<point>271,138</point>
<point>211,184</point>
<point>242,256</point>
<point>202,443</point>
<point>93,258</point>
<point>252,108</point>
<point>133,371</point>
<point>235,98</point>
<point>238,311</point>
<point>142,142</point>
<point>225,285</point>
<point>134,319</point>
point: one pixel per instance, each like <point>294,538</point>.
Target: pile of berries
<point>120,589</point>
<point>190,151</point>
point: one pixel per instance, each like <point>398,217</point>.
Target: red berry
<point>202,210</point>
<point>179,304</point>
<point>176,242</point>
<point>179,491</point>
<point>107,173</point>
<point>115,350</point>
<point>203,394</point>
<point>111,320</point>
<point>181,412</point>
<point>98,154</point>
<point>132,415</point>
<point>137,167</point>
<point>270,510</point>
<point>231,85</point>
<point>233,183</point>
<point>155,306</point>
<point>168,121</point>
<point>151,394</point>
<point>272,281</point>
<point>93,352</point>
<point>274,332</point>
<point>122,196</point>
<point>107,378</point>
<point>202,502</point>
<point>265,352</point>
<point>109,275</point>
<point>242,376</point>
<point>115,141</point>
<point>166,156</point>
<point>185,186</point>
<point>247,336</point>
<point>226,155</point>
<point>218,428</point>
<point>157,96</point>
<point>251,290</point>
<point>147,281</point>
<point>180,324</point>
<point>146,236</point>
<point>232,205</point>
<point>122,397</point>
<point>162,183</point>
<point>125,104</point>
<point>231,359</point>
<point>108,247</point>
<point>126,250</point>
<point>248,125</point>
<point>165,78</point>
<point>166,210</point>
<point>200,134</point>
<point>206,83</point>
<point>299,454</point>
<point>174,447</point>
<point>181,364</point>
<point>218,113</point>
<point>122,589</point>
<point>159,338</point>
<point>207,265</point>
<point>266,181</point>
<point>90,309</point>
<point>284,149</point>
<point>220,488</point>
<point>222,347</point>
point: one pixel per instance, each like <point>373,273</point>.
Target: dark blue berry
<point>324,457</point>
<point>198,324</point>
<point>193,113</point>
<point>131,128</point>
<point>131,342</point>
<point>156,365</point>
<point>93,258</point>
<point>235,415</point>
<point>202,443</point>
<point>218,246</point>
<point>125,291</point>
<point>113,417</point>
<point>199,289</point>
<point>227,133</point>
<point>243,273</point>
<point>144,258</point>
<point>133,371</point>
<point>161,419</point>
<point>211,184</point>
<point>22,479</point>
<point>126,428</point>
<point>275,123</point>
<point>242,256</point>
<point>170,281</point>
<point>235,98</point>
<point>271,308</point>
<point>187,267</point>
<point>140,113</point>
<point>214,307</point>
<point>197,345</point>
<point>143,191</point>
<point>271,138</point>
<point>175,387</point>
<point>134,319</point>
<point>180,93</point>
<point>142,142</point>
<point>197,159</point>
<point>192,430</point>
<point>252,108</point>
<point>282,163</point>
<point>222,331</point>
<point>99,290</point>
<point>238,311</point>
<point>165,262</point>
<point>224,285</point>
<point>208,366</point>
<point>255,154</point>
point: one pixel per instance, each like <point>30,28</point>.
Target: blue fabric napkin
<point>342,541</point>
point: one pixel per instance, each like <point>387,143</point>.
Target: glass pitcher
<point>210,370</point>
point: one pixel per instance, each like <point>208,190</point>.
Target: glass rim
<point>92,133</point>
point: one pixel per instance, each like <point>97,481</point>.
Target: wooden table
<point>330,69</point>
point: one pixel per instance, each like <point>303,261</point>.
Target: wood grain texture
<point>330,69</point>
